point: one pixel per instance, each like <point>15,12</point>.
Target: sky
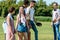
<point>48,1</point>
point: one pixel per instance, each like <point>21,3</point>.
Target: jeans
<point>56,31</point>
<point>34,29</point>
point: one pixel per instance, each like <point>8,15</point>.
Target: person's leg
<point>25,36</point>
<point>29,35</point>
<point>13,37</point>
<point>34,29</point>
<point>57,30</point>
<point>54,30</point>
<point>19,36</point>
<point>28,30</point>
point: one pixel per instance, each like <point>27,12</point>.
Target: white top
<point>31,12</point>
<point>23,20</point>
<point>55,15</point>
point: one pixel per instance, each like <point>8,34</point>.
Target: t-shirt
<point>30,11</point>
<point>55,15</point>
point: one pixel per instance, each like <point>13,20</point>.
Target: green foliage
<point>5,5</point>
<point>42,9</point>
<point>0,11</point>
<point>43,18</point>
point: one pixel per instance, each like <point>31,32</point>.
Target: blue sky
<point>50,1</point>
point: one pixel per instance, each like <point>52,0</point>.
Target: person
<point>30,17</point>
<point>55,20</point>
<point>25,5</point>
<point>21,25</point>
<point>10,32</point>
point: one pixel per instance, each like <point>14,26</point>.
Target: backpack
<point>4,25</point>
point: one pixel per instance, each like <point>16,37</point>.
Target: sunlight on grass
<point>45,32</point>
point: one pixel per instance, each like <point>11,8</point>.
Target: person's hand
<point>14,31</point>
<point>11,32</point>
<point>12,35</point>
<point>55,21</point>
<point>58,18</point>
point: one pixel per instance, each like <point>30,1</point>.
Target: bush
<point>40,18</point>
<point>43,18</point>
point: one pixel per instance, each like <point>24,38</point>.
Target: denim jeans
<point>34,29</point>
<point>56,31</point>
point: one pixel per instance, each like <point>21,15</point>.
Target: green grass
<point>43,18</point>
<point>45,32</point>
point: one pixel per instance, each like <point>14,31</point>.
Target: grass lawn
<point>45,32</point>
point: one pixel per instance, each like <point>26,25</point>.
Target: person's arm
<point>27,20</point>
<point>58,15</point>
<point>17,21</point>
<point>27,17</point>
<point>53,18</point>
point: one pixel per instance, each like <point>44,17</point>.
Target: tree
<point>39,8</point>
<point>5,4</point>
<point>42,9</point>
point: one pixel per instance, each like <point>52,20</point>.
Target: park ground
<point>45,32</point>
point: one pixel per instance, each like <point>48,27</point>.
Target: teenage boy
<point>30,15</point>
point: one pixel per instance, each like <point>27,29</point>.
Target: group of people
<point>25,21</point>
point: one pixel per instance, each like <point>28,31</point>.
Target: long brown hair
<point>23,9</point>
